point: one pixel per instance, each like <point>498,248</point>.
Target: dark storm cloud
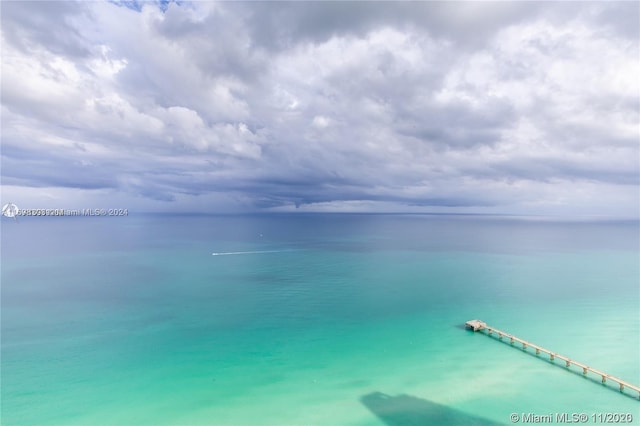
<point>27,169</point>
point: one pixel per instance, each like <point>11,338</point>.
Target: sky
<point>524,108</point>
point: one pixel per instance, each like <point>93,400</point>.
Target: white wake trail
<point>229,253</point>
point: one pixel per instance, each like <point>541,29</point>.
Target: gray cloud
<point>620,17</point>
<point>50,25</point>
<point>503,107</point>
<point>281,25</point>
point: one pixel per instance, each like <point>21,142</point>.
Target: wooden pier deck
<point>477,325</point>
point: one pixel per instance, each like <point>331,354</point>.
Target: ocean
<point>315,319</point>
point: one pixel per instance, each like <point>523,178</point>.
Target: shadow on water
<point>407,410</point>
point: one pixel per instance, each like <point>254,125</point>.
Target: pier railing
<point>477,325</point>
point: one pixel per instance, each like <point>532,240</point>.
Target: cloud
<point>32,26</point>
<point>279,26</point>
<point>474,107</point>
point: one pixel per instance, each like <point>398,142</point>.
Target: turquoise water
<point>342,320</point>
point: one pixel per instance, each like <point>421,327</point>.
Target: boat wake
<point>230,253</point>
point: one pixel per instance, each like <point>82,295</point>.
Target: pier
<point>477,325</point>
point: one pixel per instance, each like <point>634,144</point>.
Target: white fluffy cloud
<point>499,108</point>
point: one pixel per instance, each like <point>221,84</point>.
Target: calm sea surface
<point>313,319</point>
